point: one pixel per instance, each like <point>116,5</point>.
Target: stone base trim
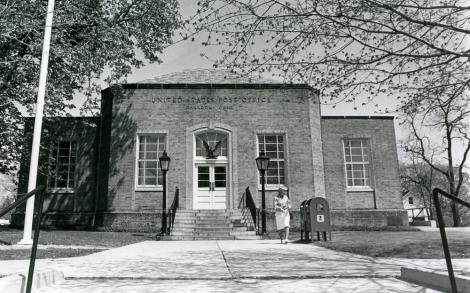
<point>151,221</point>
<point>58,219</point>
<point>369,218</point>
<point>132,222</point>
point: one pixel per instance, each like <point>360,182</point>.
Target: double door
<point>211,186</point>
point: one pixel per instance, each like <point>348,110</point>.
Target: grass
<point>399,244</point>
<point>402,244</point>
<point>67,238</point>
<point>15,254</point>
<point>81,238</point>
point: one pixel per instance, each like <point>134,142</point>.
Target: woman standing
<point>282,206</point>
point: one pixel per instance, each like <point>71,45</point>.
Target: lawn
<point>45,253</point>
<point>399,244</point>
<point>95,240</point>
<point>81,238</point>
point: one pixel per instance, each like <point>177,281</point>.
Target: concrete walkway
<point>229,266</point>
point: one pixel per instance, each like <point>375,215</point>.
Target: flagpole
<point>33,168</point>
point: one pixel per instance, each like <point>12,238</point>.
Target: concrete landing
<point>228,266</point>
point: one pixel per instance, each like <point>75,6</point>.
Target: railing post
<point>32,260</point>
<point>445,245</point>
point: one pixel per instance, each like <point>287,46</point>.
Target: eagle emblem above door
<point>212,153</point>
<point>211,145</point>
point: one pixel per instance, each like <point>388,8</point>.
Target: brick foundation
<point>69,220</point>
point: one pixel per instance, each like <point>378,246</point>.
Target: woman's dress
<point>281,206</point>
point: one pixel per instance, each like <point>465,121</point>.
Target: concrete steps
<point>211,225</point>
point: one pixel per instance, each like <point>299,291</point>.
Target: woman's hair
<point>284,191</point>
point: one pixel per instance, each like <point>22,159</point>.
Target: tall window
<point>273,145</point>
<point>356,154</point>
<point>150,148</point>
<point>63,160</point>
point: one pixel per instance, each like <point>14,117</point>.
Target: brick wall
<point>314,167</point>
<point>384,163</point>
<point>251,111</point>
<point>71,207</point>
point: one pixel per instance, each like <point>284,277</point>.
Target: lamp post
<point>262,163</point>
<point>164,166</point>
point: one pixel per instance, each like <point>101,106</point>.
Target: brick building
<point>213,125</point>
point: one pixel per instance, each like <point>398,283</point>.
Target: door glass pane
<point>220,176</point>
<point>203,176</point>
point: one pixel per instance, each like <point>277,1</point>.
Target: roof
<point>211,78</point>
<point>207,76</point>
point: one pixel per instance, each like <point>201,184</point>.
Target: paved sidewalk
<point>229,266</point>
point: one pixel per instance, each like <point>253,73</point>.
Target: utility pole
<point>33,168</point>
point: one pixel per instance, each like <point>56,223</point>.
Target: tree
<point>88,37</point>
<point>345,48</point>
<point>418,180</point>
<point>439,123</point>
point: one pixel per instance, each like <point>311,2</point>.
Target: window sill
<point>149,188</point>
<point>272,187</point>
<point>359,189</point>
<point>60,190</point>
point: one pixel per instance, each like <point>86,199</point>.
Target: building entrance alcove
<point>211,170</point>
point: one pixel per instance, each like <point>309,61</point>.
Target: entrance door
<point>211,188</point>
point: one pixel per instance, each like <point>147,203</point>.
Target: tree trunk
<point>453,204</point>
<point>455,214</point>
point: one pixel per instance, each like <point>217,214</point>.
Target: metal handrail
<point>440,220</point>
<point>172,213</point>
<point>40,190</point>
<point>249,203</point>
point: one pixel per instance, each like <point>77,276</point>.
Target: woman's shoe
<point>286,241</point>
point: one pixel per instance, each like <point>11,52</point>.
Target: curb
<point>434,280</point>
<point>17,283</point>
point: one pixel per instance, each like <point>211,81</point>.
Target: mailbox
<point>319,212</point>
<point>307,224</point>
<point>302,220</point>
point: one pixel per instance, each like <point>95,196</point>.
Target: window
<point>273,145</point>
<point>63,160</point>
<point>410,200</point>
<point>150,148</point>
<point>356,154</point>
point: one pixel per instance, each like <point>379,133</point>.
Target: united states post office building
<point>104,171</point>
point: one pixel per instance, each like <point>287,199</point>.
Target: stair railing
<point>172,212</point>
<point>440,221</point>
<point>247,202</point>
<point>40,192</point>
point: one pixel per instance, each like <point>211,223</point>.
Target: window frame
<point>53,188</point>
<point>365,141</point>
<point>147,187</point>
<point>284,160</point>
